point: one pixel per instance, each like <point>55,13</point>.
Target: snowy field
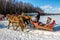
<point>28,34</point>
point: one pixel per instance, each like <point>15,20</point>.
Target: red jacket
<point>52,24</point>
<point>0,19</point>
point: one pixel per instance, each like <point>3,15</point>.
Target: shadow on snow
<point>2,26</point>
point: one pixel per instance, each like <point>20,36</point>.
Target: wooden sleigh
<point>49,28</point>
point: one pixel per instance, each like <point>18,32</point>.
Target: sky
<point>49,6</point>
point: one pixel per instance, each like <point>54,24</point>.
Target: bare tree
<point>11,6</point>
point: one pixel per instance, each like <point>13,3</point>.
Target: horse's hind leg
<point>22,27</point>
<point>13,24</point>
<point>9,25</point>
<point>17,25</point>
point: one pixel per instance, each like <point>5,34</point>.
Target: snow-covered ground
<point>28,34</point>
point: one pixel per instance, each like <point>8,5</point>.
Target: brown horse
<point>27,20</point>
<point>16,19</point>
<point>21,22</point>
<point>9,18</point>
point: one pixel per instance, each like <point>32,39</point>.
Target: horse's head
<point>8,16</point>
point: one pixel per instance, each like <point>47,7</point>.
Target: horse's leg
<point>16,25</point>
<point>13,25</point>
<point>22,27</point>
<point>24,23</point>
<point>21,24</point>
<point>9,24</point>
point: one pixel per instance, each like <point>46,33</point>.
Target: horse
<point>21,22</point>
<point>9,18</point>
<point>26,19</point>
<point>16,19</point>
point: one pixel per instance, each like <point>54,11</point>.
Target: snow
<point>32,34</point>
